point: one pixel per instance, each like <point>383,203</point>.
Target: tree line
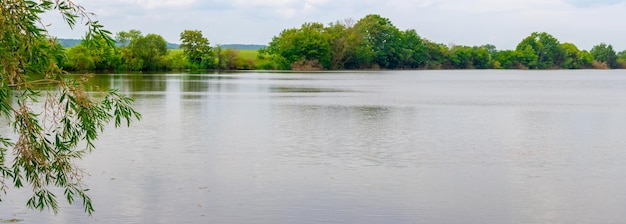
<point>372,42</point>
<point>134,51</point>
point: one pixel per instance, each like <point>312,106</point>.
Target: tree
<point>196,47</point>
<point>460,57</point>
<point>80,58</point>
<point>481,57</point>
<point>436,54</point>
<point>142,52</point>
<point>93,55</point>
<point>124,38</point>
<point>53,134</point>
<point>574,58</point>
<point>307,45</point>
<point>381,41</point>
<point>413,52</point>
<point>545,47</point>
<point>343,40</point>
<point>621,59</point>
<point>508,59</point>
<point>604,53</point>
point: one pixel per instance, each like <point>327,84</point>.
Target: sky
<point>503,23</point>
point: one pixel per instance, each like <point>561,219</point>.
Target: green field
<point>247,54</point>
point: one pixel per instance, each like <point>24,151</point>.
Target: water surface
<point>360,147</point>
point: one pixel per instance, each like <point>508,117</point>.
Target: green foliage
<point>604,53</point>
<point>196,48</point>
<point>53,134</point>
<point>545,47</point>
<point>307,43</point>
<point>507,59</point>
<point>574,58</point>
<point>381,41</point>
<point>413,53</point>
<point>80,59</point>
<point>175,59</point>
<point>142,53</point>
<point>436,54</point>
<point>343,40</point>
<point>93,56</point>
<point>621,59</point>
<point>374,42</point>
<point>232,60</point>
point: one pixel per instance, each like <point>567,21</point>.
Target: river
<point>467,146</point>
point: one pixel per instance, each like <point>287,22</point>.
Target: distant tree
<point>604,53</point>
<point>93,55</point>
<point>220,62</point>
<point>460,57</point>
<point>529,58</point>
<point>143,53</point>
<point>382,42</point>
<point>545,47</point>
<point>152,48</point>
<point>481,57</point>
<point>621,59</point>
<point>508,59</point>
<point>308,43</point>
<point>232,60</point>
<point>436,54</point>
<point>197,48</point>
<point>491,49</point>
<point>343,40</point>
<point>413,53</point>
<point>574,58</point>
<point>124,38</point>
<point>79,58</point>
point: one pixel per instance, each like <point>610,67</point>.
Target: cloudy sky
<point>503,23</point>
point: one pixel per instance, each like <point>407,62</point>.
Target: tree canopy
<point>374,42</point>
<point>197,48</point>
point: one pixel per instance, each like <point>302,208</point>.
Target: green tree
<point>413,53</point>
<point>436,54</point>
<point>53,134</point>
<point>143,53</point>
<point>621,59</point>
<point>460,57</point>
<point>307,46</point>
<point>79,58</point>
<point>528,57</point>
<point>382,42</point>
<point>124,38</point>
<point>508,59</point>
<point>481,57</point>
<point>343,40</point>
<point>545,47</point>
<point>93,55</point>
<point>197,48</point>
<point>574,58</point>
<point>604,53</point>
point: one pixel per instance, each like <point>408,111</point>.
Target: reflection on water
<point>367,147</point>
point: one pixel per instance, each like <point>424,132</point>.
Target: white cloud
<point>159,3</point>
<point>468,22</point>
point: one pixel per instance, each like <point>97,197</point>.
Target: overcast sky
<point>503,23</point>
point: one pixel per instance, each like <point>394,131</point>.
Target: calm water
<point>366,147</point>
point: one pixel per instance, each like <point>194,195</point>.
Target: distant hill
<point>172,46</point>
<point>68,43</point>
